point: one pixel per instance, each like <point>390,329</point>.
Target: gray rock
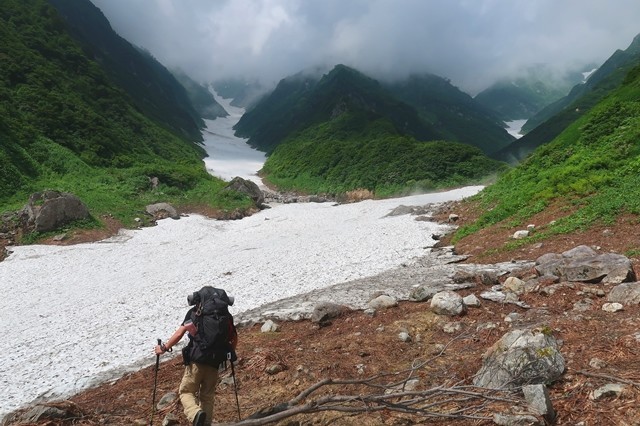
<point>471,301</point>
<point>611,389</point>
<point>162,210</point>
<point>448,303</point>
<point>269,327</point>
<point>383,302</point>
<point>326,311</point>
<point>583,264</point>
<point>50,210</point>
<point>516,420</point>
<point>42,412</point>
<point>404,337</point>
<point>628,293</point>
<point>170,420</point>
<point>521,357</point>
<point>248,187</point>
<point>514,285</point>
<point>612,307</point>
<point>539,402</point>
<point>518,235</point>
<point>166,400</point>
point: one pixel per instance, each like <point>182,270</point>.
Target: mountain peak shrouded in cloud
<point>473,43</point>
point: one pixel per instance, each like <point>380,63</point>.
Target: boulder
<point>521,357</point>
<point>49,210</point>
<point>448,303</point>
<point>248,187</point>
<point>162,211</point>
<point>627,293</point>
<point>583,264</point>
<point>326,311</point>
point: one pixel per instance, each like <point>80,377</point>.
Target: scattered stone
<point>448,303</point>
<point>514,285</point>
<point>452,327</point>
<point>612,307</point>
<point>531,227</point>
<point>453,217</point>
<point>166,400</point>
<point>274,369</point>
<point>383,302</point>
<point>628,293</point>
<point>43,412</point>
<point>516,420</point>
<point>539,402</point>
<point>583,305</point>
<point>269,327</point>
<point>471,301</point>
<point>597,363</point>
<point>497,295</point>
<point>518,235</point>
<point>326,311</point>
<point>611,389</point>
<point>404,337</point>
<point>512,317</point>
<point>170,420</point>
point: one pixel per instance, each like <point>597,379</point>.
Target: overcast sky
<point>472,42</point>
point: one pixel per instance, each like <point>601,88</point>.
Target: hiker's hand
<point>159,349</point>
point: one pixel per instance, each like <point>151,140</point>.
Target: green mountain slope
<point>524,96</point>
<point>553,119</point>
<point>424,107</point>
<point>454,115</point>
<point>360,150</point>
<point>200,97</point>
<point>154,90</point>
<point>591,170</point>
<point>65,125</point>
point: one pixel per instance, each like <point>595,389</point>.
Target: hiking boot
<point>200,418</point>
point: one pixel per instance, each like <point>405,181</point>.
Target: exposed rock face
<point>521,357</point>
<point>583,264</point>
<point>247,187</point>
<point>49,210</point>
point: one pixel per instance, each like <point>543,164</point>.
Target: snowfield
<point>75,316</point>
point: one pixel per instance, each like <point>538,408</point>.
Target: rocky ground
<point>599,348</point>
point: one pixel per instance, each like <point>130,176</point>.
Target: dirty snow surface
<point>75,316</point>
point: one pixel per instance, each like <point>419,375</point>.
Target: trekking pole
<point>155,383</point>
<point>235,385</point>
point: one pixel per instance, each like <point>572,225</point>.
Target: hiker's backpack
<point>211,344</point>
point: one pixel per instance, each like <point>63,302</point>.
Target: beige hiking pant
<point>197,390</point>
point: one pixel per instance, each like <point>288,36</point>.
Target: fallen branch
<point>608,377</point>
<point>388,392</point>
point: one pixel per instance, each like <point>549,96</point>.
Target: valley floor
<point>354,343</point>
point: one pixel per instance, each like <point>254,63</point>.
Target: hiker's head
<point>207,292</point>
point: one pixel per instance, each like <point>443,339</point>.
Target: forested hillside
<point>66,125</point>
<point>344,131</point>
<point>454,115</point>
<point>425,107</point>
<point>590,172</point>
<point>358,150</point>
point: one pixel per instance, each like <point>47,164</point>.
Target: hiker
<point>212,342</point>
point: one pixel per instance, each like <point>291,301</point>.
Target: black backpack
<point>212,343</point>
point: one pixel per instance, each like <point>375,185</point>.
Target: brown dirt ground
<point>309,353</point>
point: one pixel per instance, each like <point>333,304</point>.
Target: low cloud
<point>471,42</point>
